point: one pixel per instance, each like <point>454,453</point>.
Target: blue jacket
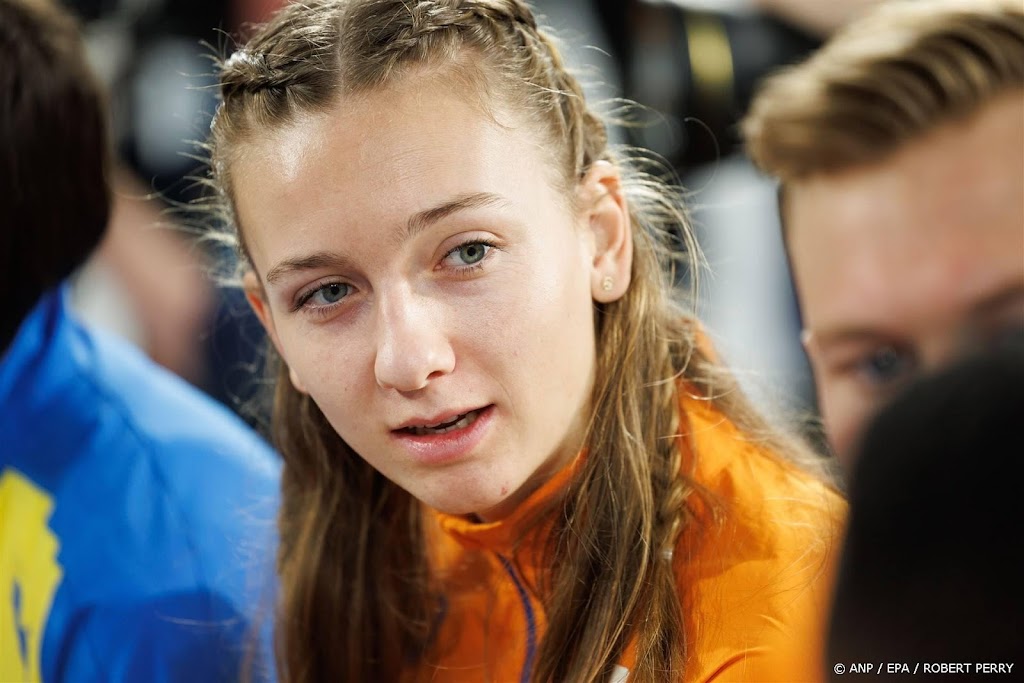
<point>136,516</point>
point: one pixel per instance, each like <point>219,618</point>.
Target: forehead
<point>936,226</point>
<point>413,116</point>
<point>374,159</point>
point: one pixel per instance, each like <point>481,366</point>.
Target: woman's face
<point>431,289</point>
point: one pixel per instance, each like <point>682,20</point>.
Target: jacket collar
<point>505,536</point>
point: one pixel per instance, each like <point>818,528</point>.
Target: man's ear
<point>257,299</point>
<point>605,213</point>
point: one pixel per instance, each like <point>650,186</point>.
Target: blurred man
<point>900,150</point>
<point>931,568</point>
<point>135,515</point>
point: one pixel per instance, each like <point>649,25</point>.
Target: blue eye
<point>328,294</point>
<point>886,366</point>
<point>470,253</point>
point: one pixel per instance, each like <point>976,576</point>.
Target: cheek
<point>328,369</point>
<point>533,333</point>
<point>557,320</point>
<point>536,297</point>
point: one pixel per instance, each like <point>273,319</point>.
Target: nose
<point>412,344</point>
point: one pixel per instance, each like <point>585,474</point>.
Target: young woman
<point>508,455</point>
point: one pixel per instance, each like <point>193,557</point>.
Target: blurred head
<point>463,293</point>
<point>929,570</point>
<point>898,148</point>
<point>53,155</point>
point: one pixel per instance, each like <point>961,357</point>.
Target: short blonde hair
<point>885,81</point>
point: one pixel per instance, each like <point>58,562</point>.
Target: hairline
<point>949,121</point>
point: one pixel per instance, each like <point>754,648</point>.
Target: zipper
<point>531,623</point>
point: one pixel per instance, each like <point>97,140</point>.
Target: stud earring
<point>607,283</point>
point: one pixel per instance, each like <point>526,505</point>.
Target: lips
<point>460,421</point>
<point>444,438</point>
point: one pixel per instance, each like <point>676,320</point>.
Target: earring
<point>607,283</point>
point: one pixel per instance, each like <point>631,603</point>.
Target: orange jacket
<point>751,579</point>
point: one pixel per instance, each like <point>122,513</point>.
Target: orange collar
<point>503,536</point>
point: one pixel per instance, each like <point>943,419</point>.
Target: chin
<point>458,507</point>
<point>463,503</point>
<point>463,491</point>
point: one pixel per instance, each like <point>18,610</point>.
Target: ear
<point>605,214</point>
<point>257,299</point>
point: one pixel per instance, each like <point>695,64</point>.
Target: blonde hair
<point>885,81</point>
<point>357,596</point>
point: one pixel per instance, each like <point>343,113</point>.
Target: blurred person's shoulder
<point>201,449</point>
<point>163,411</point>
<point>145,510</point>
<point>205,455</point>
<point>77,399</point>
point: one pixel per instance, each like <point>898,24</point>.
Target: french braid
<point>347,605</point>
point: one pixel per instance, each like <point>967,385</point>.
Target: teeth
<point>460,423</point>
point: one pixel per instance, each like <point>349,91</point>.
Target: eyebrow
<point>417,223</point>
<point>320,259</point>
<point>846,335</point>
<point>471,200</point>
<point>856,334</point>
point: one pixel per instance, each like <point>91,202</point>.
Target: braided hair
<point>355,584</point>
